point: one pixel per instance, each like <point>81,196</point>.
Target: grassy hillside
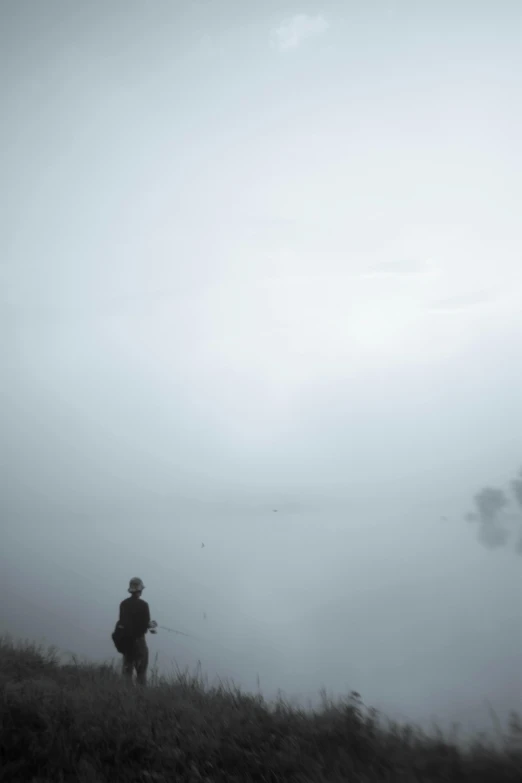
<point>81,723</point>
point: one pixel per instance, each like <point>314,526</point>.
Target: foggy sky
<point>263,256</point>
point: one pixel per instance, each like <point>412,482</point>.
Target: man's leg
<point>128,664</point>
<point>142,661</point>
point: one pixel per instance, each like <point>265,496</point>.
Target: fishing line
<point>198,639</point>
<point>181,633</point>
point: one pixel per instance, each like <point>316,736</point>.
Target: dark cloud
<point>516,486</point>
<point>490,501</point>
<point>493,536</point>
<point>495,524</point>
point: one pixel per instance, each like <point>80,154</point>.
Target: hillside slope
<point>82,723</point>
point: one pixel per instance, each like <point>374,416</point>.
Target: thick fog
<point>261,291</point>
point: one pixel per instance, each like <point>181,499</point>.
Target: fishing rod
<point>181,633</point>
<point>190,636</point>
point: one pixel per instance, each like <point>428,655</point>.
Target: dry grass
<point>81,723</point>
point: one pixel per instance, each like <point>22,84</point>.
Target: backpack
<point>121,638</point>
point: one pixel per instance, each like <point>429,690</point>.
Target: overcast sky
<point>261,256</point>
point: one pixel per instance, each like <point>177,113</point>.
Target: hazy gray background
<point>261,256</point>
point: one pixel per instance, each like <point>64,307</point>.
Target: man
<point>135,619</point>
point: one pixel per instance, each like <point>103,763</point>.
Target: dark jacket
<point>135,616</point>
